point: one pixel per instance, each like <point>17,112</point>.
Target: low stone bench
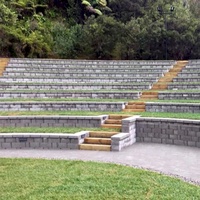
<point>86,70</point>
<point>186,79</point>
<point>62,106</point>
<point>96,62</point>
<point>168,131</point>
<point>52,121</point>
<point>183,86</point>
<point>83,75</point>
<point>78,80</point>
<point>41,140</point>
<point>78,86</point>
<point>178,95</point>
<point>172,107</point>
<point>189,74</point>
<point>70,94</point>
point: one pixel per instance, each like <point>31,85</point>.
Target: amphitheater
<point>124,88</point>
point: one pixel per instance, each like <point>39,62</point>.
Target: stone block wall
<point>173,107</point>
<point>52,121</point>
<point>61,106</point>
<point>178,95</point>
<point>128,135</point>
<point>42,141</point>
<point>168,131</point>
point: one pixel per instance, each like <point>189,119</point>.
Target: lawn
<point>34,179</point>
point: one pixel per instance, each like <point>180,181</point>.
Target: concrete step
<point>102,134</point>
<point>95,140</point>
<point>113,121</point>
<point>118,126</point>
<point>95,147</point>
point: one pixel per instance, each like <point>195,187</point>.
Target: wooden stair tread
<point>135,106</point>
<point>119,116</point>
<point>113,121</point>
<point>134,110</point>
<point>96,147</point>
<point>102,134</point>
<point>95,140</point>
<point>111,125</point>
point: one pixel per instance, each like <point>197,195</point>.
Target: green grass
<point>88,113</point>
<point>33,179</point>
<point>59,130</point>
<point>96,100</point>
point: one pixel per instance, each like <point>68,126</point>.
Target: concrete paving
<point>173,160</point>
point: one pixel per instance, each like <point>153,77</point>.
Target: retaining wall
<point>61,106</point>
<point>168,131</point>
<point>52,121</point>
<point>173,107</point>
<point>178,95</point>
<point>42,141</point>
<point>69,94</point>
<point>78,86</point>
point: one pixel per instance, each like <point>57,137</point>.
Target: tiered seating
<point>186,84</point>
<point>45,78</point>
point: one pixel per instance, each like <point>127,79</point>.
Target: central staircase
<point>101,140</point>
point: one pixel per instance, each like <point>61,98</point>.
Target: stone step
<point>117,126</point>
<point>113,121</point>
<point>102,134</point>
<point>96,140</point>
<point>95,147</point>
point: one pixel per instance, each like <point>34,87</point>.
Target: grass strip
<point>95,113</point>
<point>23,179</point>
<point>96,100</point>
<point>64,130</point>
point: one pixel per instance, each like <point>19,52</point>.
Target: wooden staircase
<point>168,77</point>
<point>152,94</point>
<point>101,140</point>
<point>98,140</point>
<point>135,107</point>
<point>3,64</point>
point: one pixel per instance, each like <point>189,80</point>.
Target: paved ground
<point>168,159</point>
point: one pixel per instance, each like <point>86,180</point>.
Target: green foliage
<point>132,30</point>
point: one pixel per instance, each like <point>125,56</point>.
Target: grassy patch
<point>34,179</point>
<point>88,113</point>
<point>63,130</point>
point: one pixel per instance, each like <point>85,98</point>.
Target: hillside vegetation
<point>116,29</point>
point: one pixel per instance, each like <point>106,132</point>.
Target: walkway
<point>168,159</point>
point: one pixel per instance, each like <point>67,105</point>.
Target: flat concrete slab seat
<point>74,86</point>
<point>69,94</point>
